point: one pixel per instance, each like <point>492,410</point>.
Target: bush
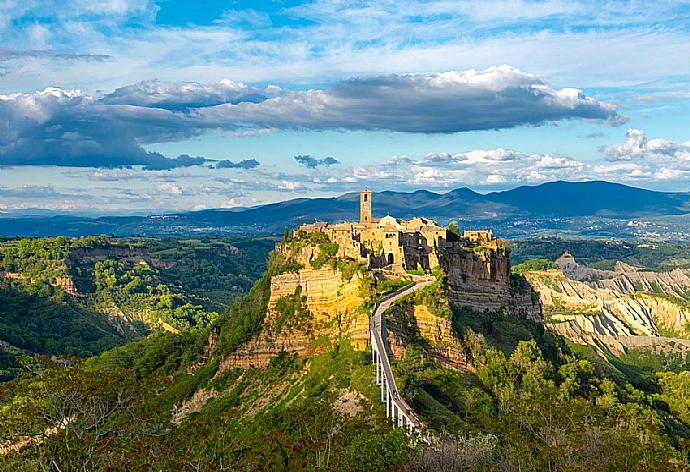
<point>371,452</point>
<point>534,264</point>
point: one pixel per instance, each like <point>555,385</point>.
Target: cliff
<point>319,301</point>
<point>328,305</point>
<point>65,283</point>
<point>602,312</point>
<point>418,324</point>
<point>481,280</point>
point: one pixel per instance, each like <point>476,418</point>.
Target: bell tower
<point>365,207</point>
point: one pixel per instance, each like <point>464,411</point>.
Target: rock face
<point>406,322</point>
<point>628,279</point>
<point>563,298</point>
<point>481,280</point>
<point>606,312</point>
<point>334,310</point>
<point>65,283</point>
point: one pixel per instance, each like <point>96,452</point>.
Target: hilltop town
<point>392,243</point>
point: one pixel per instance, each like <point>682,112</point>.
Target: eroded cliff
<point>304,307</point>
<point>602,310</point>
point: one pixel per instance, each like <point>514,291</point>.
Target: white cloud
<point>169,188</point>
<point>290,185</point>
<point>446,102</point>
<point>71,128</point>
<point>654,160</point>
<point>495,179</point>
<point>657,151</point>
<point>617,42</point>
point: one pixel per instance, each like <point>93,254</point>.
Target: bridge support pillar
<point>373,350</point>
<point>388,403</point>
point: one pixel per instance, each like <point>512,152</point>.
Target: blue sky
<point>140,106</point>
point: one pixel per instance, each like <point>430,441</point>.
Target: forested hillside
<point>64,296</point>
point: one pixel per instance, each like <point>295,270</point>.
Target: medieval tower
<point>365,207</point>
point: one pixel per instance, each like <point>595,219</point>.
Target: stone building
<point>393,243</point>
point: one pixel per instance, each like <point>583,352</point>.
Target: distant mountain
<point>550,200</point>
<point>592,198</point>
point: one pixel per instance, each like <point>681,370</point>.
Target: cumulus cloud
<point>183,95</point>
<point>311,162</point>
<point>169,188</point>
<point>637,146</point>
<point>481,167</point>
<point>448,102</point>
<point>635,160</point>
<point>68,128</point>
<point>71,128</point>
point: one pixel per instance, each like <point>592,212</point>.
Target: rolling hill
<point>549,200</point>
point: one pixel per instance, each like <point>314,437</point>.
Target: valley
<point>254,353</point>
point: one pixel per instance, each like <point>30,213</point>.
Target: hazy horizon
<point>31,212</point>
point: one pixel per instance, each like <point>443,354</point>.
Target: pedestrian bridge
<point>396,408</point>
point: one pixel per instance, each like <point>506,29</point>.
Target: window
<point>366,197</point>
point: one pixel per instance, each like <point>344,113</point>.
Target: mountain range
<point>550,200</point>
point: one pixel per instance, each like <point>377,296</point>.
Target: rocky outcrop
<point>65,283</point>
<point>193,404</point>
<point>601,310</point>
<point>627,278</point>
<point>675,283</point>
<point>667,315</point>
<point>656,344</point>
<point>300,254</point>
<point>407,322</point>
<point>609,312</point>
<point>334,307</point>
<point>481,280</point>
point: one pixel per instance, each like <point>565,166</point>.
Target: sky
<point>137,106</point>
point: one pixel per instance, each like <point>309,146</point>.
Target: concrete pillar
<point>387,403</point>
<point>373,350</point>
